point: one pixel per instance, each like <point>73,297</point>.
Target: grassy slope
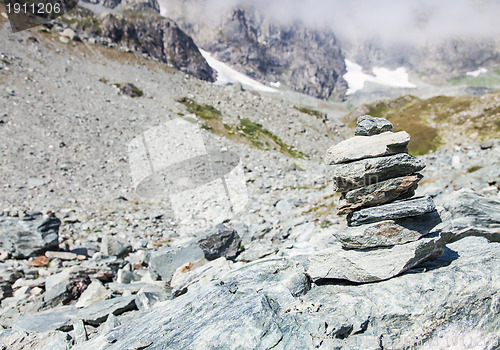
<point>437,121</point>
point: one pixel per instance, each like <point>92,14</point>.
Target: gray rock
<point>363,266</point>
<point>29,236</point>
<point>111,322</point>
<point>246,310</point>
<point>95,292</point>
<point>486,144</point>
<point>380,193</point>
<point>362,147</point>
<point>220,242</point>
<point>80,332</point>
<point>125,276</point>
<point>56,285</point>
<point>61,255</point>
<point>110,246</point>
<point>146,300</point>
<point>391,211</point>
<point>389,232</point>
<point>370,171</point>
<point>368,126</point>
<point>62,318</point>
<point>470,214</point>
<point>165,261</point>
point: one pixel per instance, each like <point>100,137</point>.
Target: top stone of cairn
<point>368,126</point>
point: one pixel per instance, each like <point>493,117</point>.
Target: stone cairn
<point>377,179</point>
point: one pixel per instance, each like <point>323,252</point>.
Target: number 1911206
<point>34,8</point>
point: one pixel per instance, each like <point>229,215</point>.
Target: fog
<point>389,21</point>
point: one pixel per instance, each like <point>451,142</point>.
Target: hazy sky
<point>394,21</point>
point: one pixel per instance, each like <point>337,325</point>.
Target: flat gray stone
<point>368,126</point>
<point>380,193</point>
<point>362,147</point>
<point>110,246</point>
<point>95,292</point>
<point>361,173</point>
<point>388,233</point>
<point>391,211</point>
<point>470,214</point>
<point>29,236</point>
<point>363,266</point>
<point>62,318</point>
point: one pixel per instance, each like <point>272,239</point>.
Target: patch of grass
<point>437,120</point>
<point>201,111</point>
<point>311,112</point>
<point>325,224</point>
<point>247,132</point>
<point>103,80</point>
<point>474,168</point>
<point>129,89</point>
<point>486,80</point>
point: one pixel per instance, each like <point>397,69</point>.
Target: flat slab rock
<point>29,236</point>
<point>391,211</point>
<point>380,193</point>
<point>62,318</point>
<point>361,173</point>
<point>363,266</point>
<point>368,125</point>
<point>361,147</point>
<point>388,233</point>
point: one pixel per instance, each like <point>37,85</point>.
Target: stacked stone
<point>377,179</point>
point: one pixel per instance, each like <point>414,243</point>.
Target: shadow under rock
<point>444,260</point>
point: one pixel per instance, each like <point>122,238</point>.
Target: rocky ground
<point>86,262</point>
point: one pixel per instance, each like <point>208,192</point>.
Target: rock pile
<point>389,231</point>
<point>378,178</point>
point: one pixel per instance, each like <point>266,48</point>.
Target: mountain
<point>138,27</point>
<point>308,60</point>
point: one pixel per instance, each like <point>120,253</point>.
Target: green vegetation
<point>206,112</point>
<point>474,168</point>
<point>247,132</point>
<point>129,89</point>
<point>486,80</point>
<point>437,120</point>
<point>311,112</point>
<point>325,224</point>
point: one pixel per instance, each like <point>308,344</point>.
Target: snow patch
<point>227,75</point>
<point>356,78</point>
<point>476,73</point>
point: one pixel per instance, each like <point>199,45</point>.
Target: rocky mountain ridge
<point>307,60</point>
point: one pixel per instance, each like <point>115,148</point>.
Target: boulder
<point>363,266</point>
<point>388,233</point>
<point>391,211</point>
<point>362,147</point>
<point>218,242</point>
<point>360,173</point>
<point>368,126</point>
<point>380,193</point>
<point>29,236</point>
<point>470,214</point>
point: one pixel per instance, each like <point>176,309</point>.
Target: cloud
<point>389,21</point>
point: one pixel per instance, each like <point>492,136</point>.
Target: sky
<point>389,21</point>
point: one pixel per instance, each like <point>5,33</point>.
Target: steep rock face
<point>144,31</point>
<point>310,61</point>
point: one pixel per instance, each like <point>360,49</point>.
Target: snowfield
<point>356,78</point>
<point>227,75</point>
